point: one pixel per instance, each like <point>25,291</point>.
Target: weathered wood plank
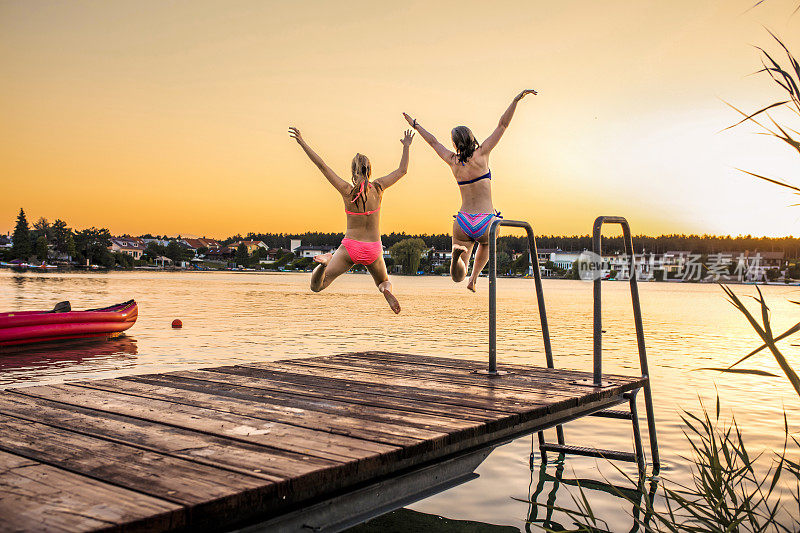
<point>143,394</point>
<point>267,377</point>
<point>552,374</point>
<point>458,368</point>
<point>38,497</point>
<point>555,396</point>
<point>307,442</point>
<point>220,446</point>
<point>467,364</point>
<point>307,403</point>
<point>484,391</point>
<point>211,450</point>
<point>509,387</point>
<point>372,396</point>
<point>210,493</point>
<point>188,483</point>
<point>518,382</point>
<point>403,421</point>
<point>513,401</point>
<point>298,476</point>
<point>422,363</point>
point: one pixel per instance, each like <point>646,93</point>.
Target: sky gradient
<point>171,117</point>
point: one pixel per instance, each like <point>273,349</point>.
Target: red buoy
<point>177,323</point>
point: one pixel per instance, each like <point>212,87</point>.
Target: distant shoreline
<point>794,283</point>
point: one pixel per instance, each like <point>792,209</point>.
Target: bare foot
<point>471,284</point>
<point>386,290</point>
<point>323,259</point>
<point>458,264</point>
<point>458,250</point>
<point>393,303</point>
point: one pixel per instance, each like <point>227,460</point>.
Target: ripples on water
<point>234,317</point>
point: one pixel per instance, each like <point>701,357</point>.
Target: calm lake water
<point>236,317</point>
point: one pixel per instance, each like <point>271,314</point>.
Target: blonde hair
<point>362,170</point>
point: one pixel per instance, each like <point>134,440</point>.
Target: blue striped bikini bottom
<point>475,224</point>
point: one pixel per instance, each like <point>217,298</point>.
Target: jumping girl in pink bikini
<point>470,166</point>
<point>362,204</point>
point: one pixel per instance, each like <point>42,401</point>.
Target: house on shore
<point>438,257</point>
<point>163,262</point>
<point>674,262</point>
<point>751,265</point>
<point>251,246</point>
<point>197,244</point>
<point>558,257</point>
<point>564,260</point>
<point>312,250</point>
<point>132,246</point>
<point>150,240</point>
<point>543,255</point>
<point>273,254</point>
<point>223,253</point>
<point>769,259</point>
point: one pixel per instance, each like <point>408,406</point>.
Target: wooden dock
<point>272,445</point>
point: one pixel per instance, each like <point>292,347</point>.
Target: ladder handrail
<point>597,292</point>
<point>496,223</point>
<point>637,318</point>
<point>597,380</point>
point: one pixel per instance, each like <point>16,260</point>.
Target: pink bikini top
<point>364,213</point>
<point>361,194</point>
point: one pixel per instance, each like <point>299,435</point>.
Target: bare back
<point>365,228</point>
<point>475,197</point>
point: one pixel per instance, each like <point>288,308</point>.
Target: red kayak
<point>62,323</point>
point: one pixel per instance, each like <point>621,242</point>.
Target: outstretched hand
<point>411,122</point>
<point>522,95</point>
<point>407,138</point>
<point>294,133</point>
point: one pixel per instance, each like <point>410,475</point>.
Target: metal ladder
<point>641,498</point>
<point>597,376</point>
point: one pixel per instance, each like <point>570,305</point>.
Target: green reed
<point>785,75</point>
<point>764,330</point>
<point>731,490</point>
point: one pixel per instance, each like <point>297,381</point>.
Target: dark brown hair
<point>464,141</point>
<point>362,170</point>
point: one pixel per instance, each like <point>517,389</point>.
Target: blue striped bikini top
<point>488,175</point>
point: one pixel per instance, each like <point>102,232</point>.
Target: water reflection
<point>554,504</point>
<point>405,520</point>
<point>20,364</point>
<point>640,498</point>
<point>230,318</point>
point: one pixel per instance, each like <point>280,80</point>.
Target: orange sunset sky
<point>171,117</point>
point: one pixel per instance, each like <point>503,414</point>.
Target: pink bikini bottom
<point>363,253</point>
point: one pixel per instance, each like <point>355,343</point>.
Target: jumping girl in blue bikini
<point>470,166</point>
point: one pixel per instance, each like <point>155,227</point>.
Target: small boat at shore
<point>62,323</point>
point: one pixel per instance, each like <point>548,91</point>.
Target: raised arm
<point>492,140</point>
<point>338,183</point>
<point>392,178</point>
<point>438,147</point>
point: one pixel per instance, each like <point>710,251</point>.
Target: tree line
<point>315,238</point>
<point>36,241</point>
<point>43,240</point>
<point>700,244</point>
<point>33,243</point>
